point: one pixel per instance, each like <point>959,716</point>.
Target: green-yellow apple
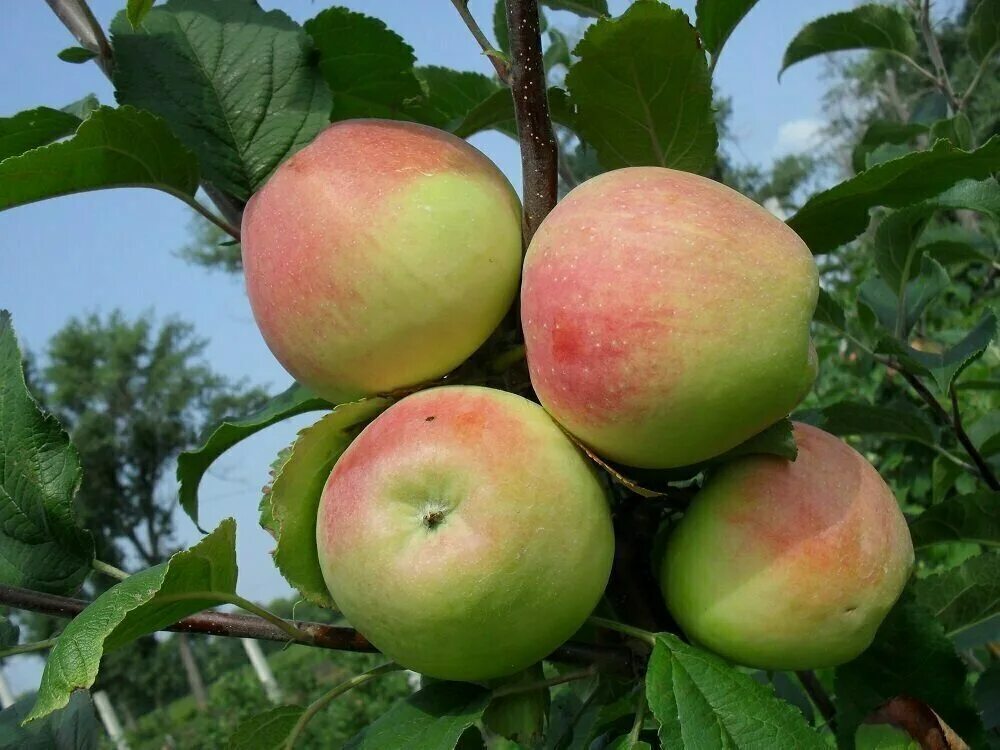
<point>464,534</point>
<point>789,565</point>
<point>666,317</point>
<point>379,256</point>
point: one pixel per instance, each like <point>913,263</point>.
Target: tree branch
<point>970,448</point>
<point>320,635</point>
<point>492,53</point>
<point>78,18</point>
<point>539,153</point>
<point>923,8</point>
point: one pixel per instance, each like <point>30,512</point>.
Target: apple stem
<point>539,152</point>
<point>638,633</point>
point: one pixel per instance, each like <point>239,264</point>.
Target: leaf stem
<point>983,66</point>
<point>639,633</point>
<point>527,687</point>
<point>817,694</point>
<point>320,703</point>
<point>108,570</point>
<point>640,715</point>
<point>27,648</point>
<point>495,56</point>
<point>218,221</point>
<point>923,9</point>
<point>294,633</point>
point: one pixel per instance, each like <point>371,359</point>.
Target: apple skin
<point>464,534</point>
<point>380,256</point>
<point>666,316</point>
<point>789,565</point>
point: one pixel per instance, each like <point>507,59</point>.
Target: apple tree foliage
<point>212,95</point>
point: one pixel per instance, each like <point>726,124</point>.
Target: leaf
<point>368,67</point>
<point>500,32</point>
<point>33,128</point>
<point>716,20</point>
<point>557,53</point>
<point>141,604</point>
<point>10,633</point>
<point>266,731</point>
<point>76,55</point>
<point>82,108</point>
<point>911,656</point>
<point>855,418</point>
<point>984,29</point>
<point>700,700</point>
<point>41,545</point>
<point>642,91</point>
<point>495,112</point>
<point>73,728</point>
<point>896,252</point>
<point>966,518</point>
<point>918,720</point>
<point>519,717</point>
<point>136,11</point>
<point>985,433</point>
<point>947,365</point>
<point>881,132</point>
<point>838,215</point>
<point>585,8</point>
<point>192,465</point>
<point>883,737</point>
<point>431,719</point>
<point>122,147</point>
<point>829,312</point>
<point>626,743</point>
<point>916,295</point>
<point>289,507</point>
<point>988,696</point>
<point>964,596</point>
<point>956,129</point>
<point>865,27</point>
<point>453,94</point>
<point>234,83</point>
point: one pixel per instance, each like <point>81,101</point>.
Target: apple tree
<point>719,478</point>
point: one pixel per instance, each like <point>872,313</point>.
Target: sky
<point>117,249</point>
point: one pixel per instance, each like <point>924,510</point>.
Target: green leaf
<point>10,633</point>
<point>431,719</point>
<point>865,27</point>
<point>73,728</point>
<point>500,32</point>
<point>896,254</point>
<point>966,518</point>
<point>984,29</point>
<point>82,108</point>
<point>234,83</point>
<point>985,433</point>
<point>947,365</point>
<point>899,311</point>
<point>911,656</point>
<point>829,312</point>
<point>266,731</point>
<point>76,55</point>
<point>136,11</point>
<point>956,129</point>
<point>496,112</point>
<point>700,699</point>
<point>368,67</point>
<point>838,215</point>
<point>883,737</point>
<point>41,545</point>
<point>521,716</point>
<point>716,20</point>
<point>642,91</point>
<point>192,465</point>
<point>854,418</point>
<point>33,128</point>
<point>881,132</point>
<point>289,507</point>
<point>557,53</point>
<point>585,8</point>
<point>141,604</point>
<point>122,147</point>
<point>988,696</point>
<point>453,94</point>
<point>965,596</point>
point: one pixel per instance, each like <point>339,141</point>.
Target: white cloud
<point>796,136</point>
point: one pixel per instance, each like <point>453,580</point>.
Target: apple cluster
<point>666,320</point>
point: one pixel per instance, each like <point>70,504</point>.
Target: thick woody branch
<point>78,18</point>
<point>539,152</point>
<point>319,635</point>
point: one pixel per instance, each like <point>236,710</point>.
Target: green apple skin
<point>666,316</point>
<point>464,534</point>
<point>789,565</point>
<point>380,256</point>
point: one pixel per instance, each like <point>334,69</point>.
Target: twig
<point>495,56</point>
<point>27,648</point>
<point>319,635</point>
<point>923,8</point>
<point>986,63</point>
<point>320,703</point>
<point>527,687</point>
<point>539,153</point>
<point>78,18</point>
<point>963,437</point>
<point>814,688</point>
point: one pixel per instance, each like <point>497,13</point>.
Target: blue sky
<point>117,249</point>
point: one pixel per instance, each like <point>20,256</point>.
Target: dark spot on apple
<point>429,419</point>
<point>849,610</point>
<point>433,519</point>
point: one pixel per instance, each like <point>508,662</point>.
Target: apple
<point>789,565</point>
<point>380,256</point>
<point>666,317</point>
<point>464,534</point>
